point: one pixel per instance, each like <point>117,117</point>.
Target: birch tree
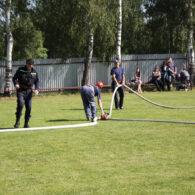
<point>88,59</point>
<point>190,34</point>
<point>8,75</point>
<point>2,29</point>
<point>119,31</point>
<point>190,42</point>
<point>95,17</point>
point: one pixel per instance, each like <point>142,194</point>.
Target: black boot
<point>26,125</point>
<point>17,124</point>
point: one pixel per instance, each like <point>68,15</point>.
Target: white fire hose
<point>144,120</point>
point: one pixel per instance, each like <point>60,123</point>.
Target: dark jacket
<point>27,78</point>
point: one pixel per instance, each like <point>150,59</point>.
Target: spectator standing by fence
<point>172,71</point>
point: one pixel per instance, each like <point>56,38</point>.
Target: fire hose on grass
<point>104,117</point>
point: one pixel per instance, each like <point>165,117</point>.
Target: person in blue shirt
<point>24,79</point>
<point>88,93</point>
<point>118,78</point>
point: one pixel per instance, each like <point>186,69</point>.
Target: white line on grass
<point>46,128</point>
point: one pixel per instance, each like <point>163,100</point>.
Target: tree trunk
<point>8,75</point>
<point>88,59</point>
<point>190,43</point>
<point>119,32</point>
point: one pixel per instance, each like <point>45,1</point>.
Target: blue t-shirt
<point>96,91</point>
<point>118,72</point>
<point>171,65</point>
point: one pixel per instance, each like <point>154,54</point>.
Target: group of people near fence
<point>164,76</point>
<point>26,76</point>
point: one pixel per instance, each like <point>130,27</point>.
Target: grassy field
<point>112,157</point>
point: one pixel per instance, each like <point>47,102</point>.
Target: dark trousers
<point>158,83</point>
<point>118,104</point>
<point>87,95</point>
<point>165,81</point>
<point>24,97</point>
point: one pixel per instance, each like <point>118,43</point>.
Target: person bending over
<point>88,93</point>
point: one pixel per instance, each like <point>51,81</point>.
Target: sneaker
<point>94,119</point>
<point>121,107</point>
<point>88,118</point>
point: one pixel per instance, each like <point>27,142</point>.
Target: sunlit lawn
<point>112,157</point>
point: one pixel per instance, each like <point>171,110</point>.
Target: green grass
<point>113,157</point>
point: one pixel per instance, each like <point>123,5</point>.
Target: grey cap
<point>116,61</point>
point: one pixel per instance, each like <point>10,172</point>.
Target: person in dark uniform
<point>24,79</point>
<point>118,78</point>
<point>88,93</point>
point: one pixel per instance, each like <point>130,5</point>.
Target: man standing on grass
<point>24,79</point>
<point>118,78</point>
<point>88,93</point>
<point>172,71</point>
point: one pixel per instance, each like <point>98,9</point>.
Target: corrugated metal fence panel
<point>147,62</point>
<point>58,73</point>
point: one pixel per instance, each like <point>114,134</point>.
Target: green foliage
<point>167,20</point>
<point>60,28</point>
<point>136,36</point>
<point>28,42</point>
<point>70,23</point>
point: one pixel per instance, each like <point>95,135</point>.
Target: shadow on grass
<point>81,109</point>
<point>58,120</point>
<point>72,109</point>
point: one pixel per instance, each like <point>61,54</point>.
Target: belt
<point>25,87</point>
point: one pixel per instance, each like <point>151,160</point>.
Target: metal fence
<point>57,73</point>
